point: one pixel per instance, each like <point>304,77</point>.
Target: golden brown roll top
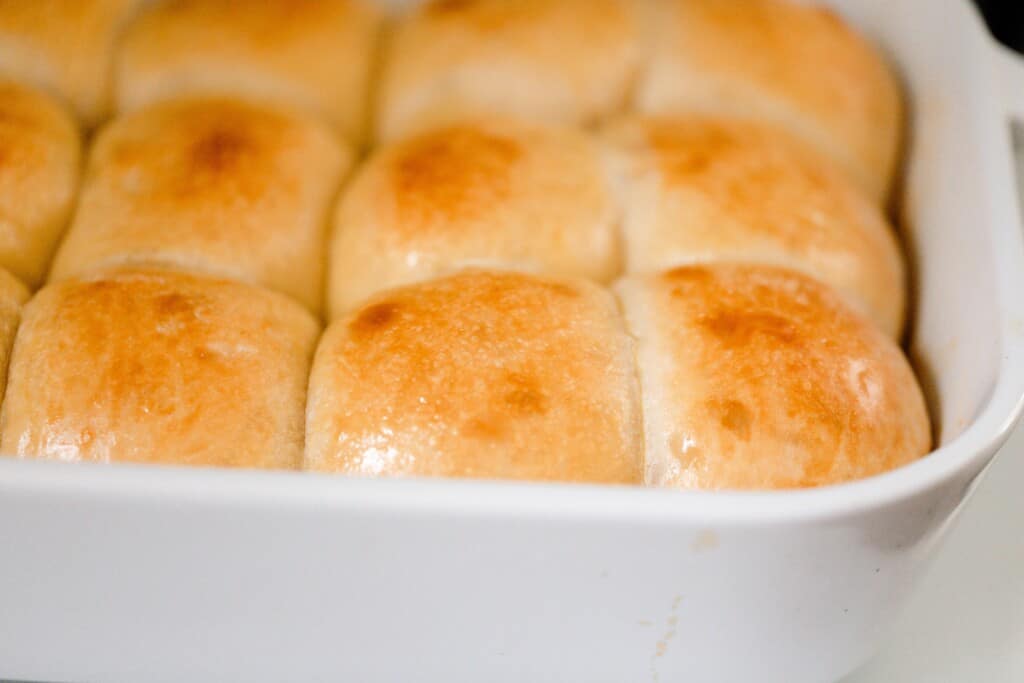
<point>755,377</point>
<point>314,55</point>
<point>779,61</point>
<point>159,367</point>
<point>481,374</point>
<point>40,154</point>
<point>65,47</point>
<point>13,295</point>
<point>567,61</point>
<point>488,192</point>
<point>213,185</point>
<point>697,189</point>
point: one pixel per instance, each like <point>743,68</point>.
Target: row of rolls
<point>610,241</point>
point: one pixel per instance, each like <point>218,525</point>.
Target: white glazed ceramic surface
<point>129,573</point>
<point>965,624</point>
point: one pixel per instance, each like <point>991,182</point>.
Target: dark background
<point>1006,20</point>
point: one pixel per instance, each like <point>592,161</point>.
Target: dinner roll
<point>492,191</point>
<point>158,366</point>
<point>65,47</point>
<point>781,61</point>
<point>212,185</point>
<point>40,154</point>
<point>567,61</point>
<point>314,55</point>
<point>756,377</point>
<point>12,295</point>
<point>479,374</point>
<point>698,189</point>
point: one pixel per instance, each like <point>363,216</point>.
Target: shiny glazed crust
<point>481,374</point>
<point>212,185</point>
<point>159,367</point>
<point>471,336</point>
<point>491,191</point>
<point>699,189</point>
<point>784,62</point>
<point>756,377</point>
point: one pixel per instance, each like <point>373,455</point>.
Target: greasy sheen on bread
<point>491,191</point>
<point>220,186</point>
<point>780,61</point>
<point>65,47</point>
<point>481,374</point>
<point>40,154</point>
<point>756,377</point>
<point>314,55</point>
<point>567,61</point>
<point>697,189</point>
<point>156,366</point>
<point>13,295</point>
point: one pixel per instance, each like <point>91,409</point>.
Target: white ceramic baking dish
<point>146,573</point>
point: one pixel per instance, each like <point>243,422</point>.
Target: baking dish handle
<point>1011,76</point>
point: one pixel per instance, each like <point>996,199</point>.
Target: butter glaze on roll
<point>13,295</point>
<point>40,154</point>
<point>779,61</point>
<point>760,378</point>
<point>218,186</point>
<point>697,189</point>
<point>65,47</point>
<point>479,374</point>
<point>314,55</point>
<point>566,61</point>
<point>486,192</point>
<point>154,366</point>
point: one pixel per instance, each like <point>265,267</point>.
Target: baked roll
<point>491,191</point>
<point>157,366</point>
<point>757,377</point>
<point>784,62</point>
<point>65,47</point>
<point>40,154</point>
<point>480,374</point>
<point>13,295</point>
<point>314,55</point>
<point>697,189</point>
<point>567,61</point>
<point>218,186</point>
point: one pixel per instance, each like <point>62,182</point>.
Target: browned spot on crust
<point>688,274</point>
<point>735,417</point>
<point>484,428</point>
<point>375,318</point>
<point>453,173</point>
<point>738,328</point>
<point>684,152</point>
<point>220,150</point>
<point>524,395</point>
<point>173,304</point>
